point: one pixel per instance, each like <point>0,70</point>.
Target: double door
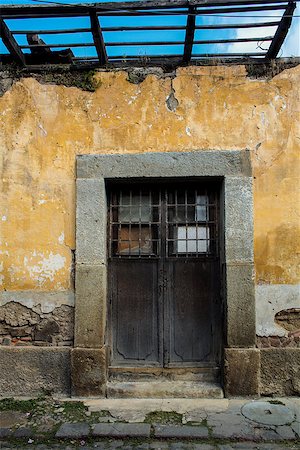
<point>164,283</point>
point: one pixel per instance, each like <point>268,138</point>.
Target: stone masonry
<point>22,326</point>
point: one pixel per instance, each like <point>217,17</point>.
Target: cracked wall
<point>44,127</point>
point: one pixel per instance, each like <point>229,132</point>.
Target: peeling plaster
<point>45,268</point>
<point>1,270</point>
<point>44,302</point>
<point>270,299</point>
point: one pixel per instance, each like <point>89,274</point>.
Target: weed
<point>10,404</point>
<point>73,407</point>
<point>164,417</point>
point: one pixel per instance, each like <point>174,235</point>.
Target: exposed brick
<point>274,341</point>
<point>22,326</point>
<point>292,341</point>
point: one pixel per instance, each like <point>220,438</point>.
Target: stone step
<point>163,389</point>
<point>128,374</point>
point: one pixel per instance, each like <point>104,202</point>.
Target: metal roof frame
<point>46,53</point>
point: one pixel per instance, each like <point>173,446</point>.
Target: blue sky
<point>290,48</point>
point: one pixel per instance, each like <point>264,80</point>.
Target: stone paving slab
<point>155,445</point>
<point>73,431</point>
<point>122,430</point>
<point>23,432</point>
<point>12,418</point>
<point>258,421</point>
<point>180,432</point>
<point>5,432</point>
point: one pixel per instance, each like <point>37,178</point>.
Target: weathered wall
<point>44,127</point>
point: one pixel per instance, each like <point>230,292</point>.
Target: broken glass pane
<point>135,241</point>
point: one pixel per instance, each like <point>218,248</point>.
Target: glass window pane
<point>181,214</point>
<point>192,240</point>
<point>135,208</point>
<point>201,208</point>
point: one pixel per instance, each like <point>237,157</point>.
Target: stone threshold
<point>163,389</point>
<point>207,373</point>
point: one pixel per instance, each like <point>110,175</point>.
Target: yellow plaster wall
<point>43,128</point>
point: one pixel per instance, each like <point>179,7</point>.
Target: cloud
<point>291,46</point>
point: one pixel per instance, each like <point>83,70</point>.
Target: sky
<point>291,46</point>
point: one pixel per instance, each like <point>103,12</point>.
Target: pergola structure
<point>111,34</point>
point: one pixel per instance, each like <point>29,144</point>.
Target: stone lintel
<point>201,163</point>
<point>241,372</point>
<point>89,372</point>
<point>90,305</point>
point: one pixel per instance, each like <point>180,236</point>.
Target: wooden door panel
<point>191,296</point>
<point>135,322</point>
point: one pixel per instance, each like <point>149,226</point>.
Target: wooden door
<point>164,287</point>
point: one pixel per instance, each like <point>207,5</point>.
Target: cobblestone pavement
<point>146,424</point>
<point>155,445</point>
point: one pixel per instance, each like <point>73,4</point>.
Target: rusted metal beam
<point>149,43</point>
<point>98,38</point>
<point>204,56</point>
<point>131,8</point>
<point>198,42</point>
<point>66,31</point>
<point>222,26</point>
<point>189,35</point>
<point>281,31</point>
<point>80,44</point>
<point>156,4</point>
<point>11,44</point>
<point>199,12</point>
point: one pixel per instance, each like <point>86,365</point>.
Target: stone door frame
<point>89,357</point>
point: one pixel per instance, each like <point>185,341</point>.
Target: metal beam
<point>11,44</point>
<point>189,35</point>
<point>66,31</point>
<point>281,31</point>
<point>221,26</point>
<point>81,9</point>
<point>155,4</point>
<point>98,38</point>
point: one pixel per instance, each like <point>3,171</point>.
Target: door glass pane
<point>201,208</point>
<point>192,239</point>
<point>135,208</point>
